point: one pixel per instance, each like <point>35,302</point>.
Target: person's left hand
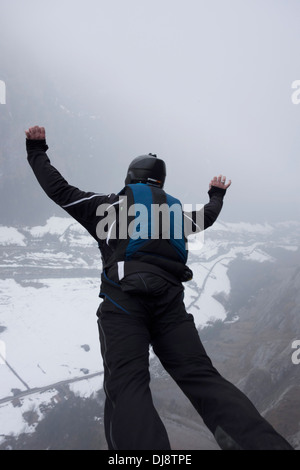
<point>220,182</point>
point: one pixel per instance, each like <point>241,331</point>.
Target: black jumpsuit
<point>129,324</point>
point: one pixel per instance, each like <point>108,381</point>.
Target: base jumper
<point>143,304</point>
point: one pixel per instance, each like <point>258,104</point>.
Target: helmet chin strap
<point>154,182</point>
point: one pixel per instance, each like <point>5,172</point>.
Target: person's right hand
<point>36,133</point>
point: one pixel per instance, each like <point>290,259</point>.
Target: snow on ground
<point>214,278</point>
<point>48,321</point>
<point>210,275</point>
<point>77,236</point>
<point>50,336</point>
<point>8,382</point>
<point>67,229</point>
<point>244,227</point>
<point>46,328</point>
<point>53,226</point>
<point>12,417</point>
<point>87,388</point>
<point>11,236</point>
<point>13,413</point>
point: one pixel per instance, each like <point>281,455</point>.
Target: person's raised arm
<point>79,204</point>
<point>52,182</point>
<point>210,211</point>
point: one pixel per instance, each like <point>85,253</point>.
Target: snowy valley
<point>49,286</point>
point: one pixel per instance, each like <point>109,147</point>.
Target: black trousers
<point>128,324</point>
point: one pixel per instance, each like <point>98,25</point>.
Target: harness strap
<point>172,271</point>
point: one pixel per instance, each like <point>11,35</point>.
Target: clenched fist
<point>36,133</point>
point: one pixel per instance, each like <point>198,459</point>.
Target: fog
<point>206,85</point>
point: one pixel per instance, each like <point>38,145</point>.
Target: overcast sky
<point>205,84</point>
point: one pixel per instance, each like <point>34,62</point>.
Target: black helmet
<point>147,169</point>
